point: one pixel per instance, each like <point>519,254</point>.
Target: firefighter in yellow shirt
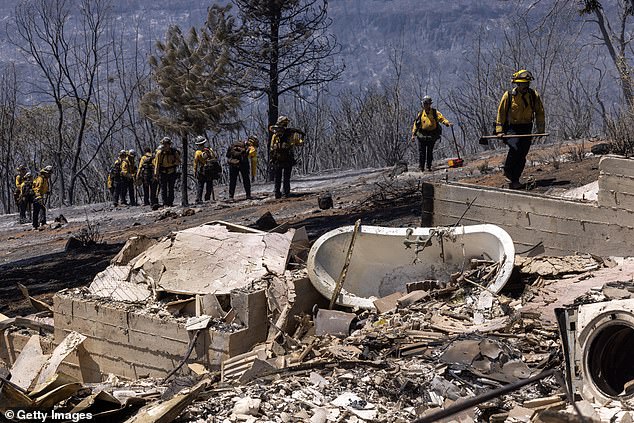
<point>428,130</point>
<point>131,180</point>
<point>517,111</point>
<point>252,153</point>
<point>145,174</point>
<point>166,164</point>
<point>19,178</point>
<point>25,201</point>
<point>40,192</point>
<point>120,173</point>
<point>205,170</point>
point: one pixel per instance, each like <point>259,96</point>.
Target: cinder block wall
<point>616,182</point>
<point>133,345</point>
<point>564,226</point>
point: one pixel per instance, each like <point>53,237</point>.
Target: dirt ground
<point>38,259</point>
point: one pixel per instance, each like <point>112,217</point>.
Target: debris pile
<point>424,354</point>
<point>256,342</point>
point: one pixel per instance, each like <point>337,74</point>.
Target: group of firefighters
<point>158,171</point>
<point>31,195</point>
<point>518,110</point>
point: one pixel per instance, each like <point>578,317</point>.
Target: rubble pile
<point>259,343</point>
<point>397,366</point>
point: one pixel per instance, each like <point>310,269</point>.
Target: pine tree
<point>194,80</point>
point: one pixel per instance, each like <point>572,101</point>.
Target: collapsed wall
<point>563,226</point>
<point>207,290</point>
<point>133,343</point>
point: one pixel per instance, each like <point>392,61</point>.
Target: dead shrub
<point>576,153</point>
<point>620,133</point>
<point>89,235</point>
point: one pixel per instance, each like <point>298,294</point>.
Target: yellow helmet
<point>522,76</point>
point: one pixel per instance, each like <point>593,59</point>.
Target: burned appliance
<point>598,340</point>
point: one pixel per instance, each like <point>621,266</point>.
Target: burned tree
<point>287,47</point>
<point>615,38</point>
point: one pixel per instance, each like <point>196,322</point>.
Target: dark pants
<point>150,187</point>
<point>131,191</point>
<point>204,185</point>
<point>425,151</point>
<point>282,171</point>
<point>243,170</point>
<point>120,190</point>
<point>39,212</point>
<point>22,209</point>
<point>167,182</point>
<point>518,150</point>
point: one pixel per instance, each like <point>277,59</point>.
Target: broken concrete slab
<point>133,247</point>
<point>211,259</point>
<point>114,283</point>
<point>411,298</point>
<point>29,363</point>
<point>66,347</point>
<point>389,303</point>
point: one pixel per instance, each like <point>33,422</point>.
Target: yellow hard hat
<point>522,76</point>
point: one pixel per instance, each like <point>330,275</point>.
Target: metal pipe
<point>472,402</point>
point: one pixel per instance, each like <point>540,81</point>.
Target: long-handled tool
<point>484,140</point>
<point>456,162</point>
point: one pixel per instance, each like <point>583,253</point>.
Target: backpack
<point>436,133</point>
<point>115,170</point>
<point>237,152</point>
<point>282,148</point>
<point>147,169</point>
<point>532,99</point>
<point>211,169</point>
<point>27,194</point>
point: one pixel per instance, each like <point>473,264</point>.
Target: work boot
<point>515,185</point>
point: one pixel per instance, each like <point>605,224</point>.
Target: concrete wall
<point>133,345</point>
<point>563,226</point>
<point>616,182</point>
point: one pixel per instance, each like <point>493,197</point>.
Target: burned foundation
<point>133,343</point>
<point>562,226</point>
<point>202,290</point>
